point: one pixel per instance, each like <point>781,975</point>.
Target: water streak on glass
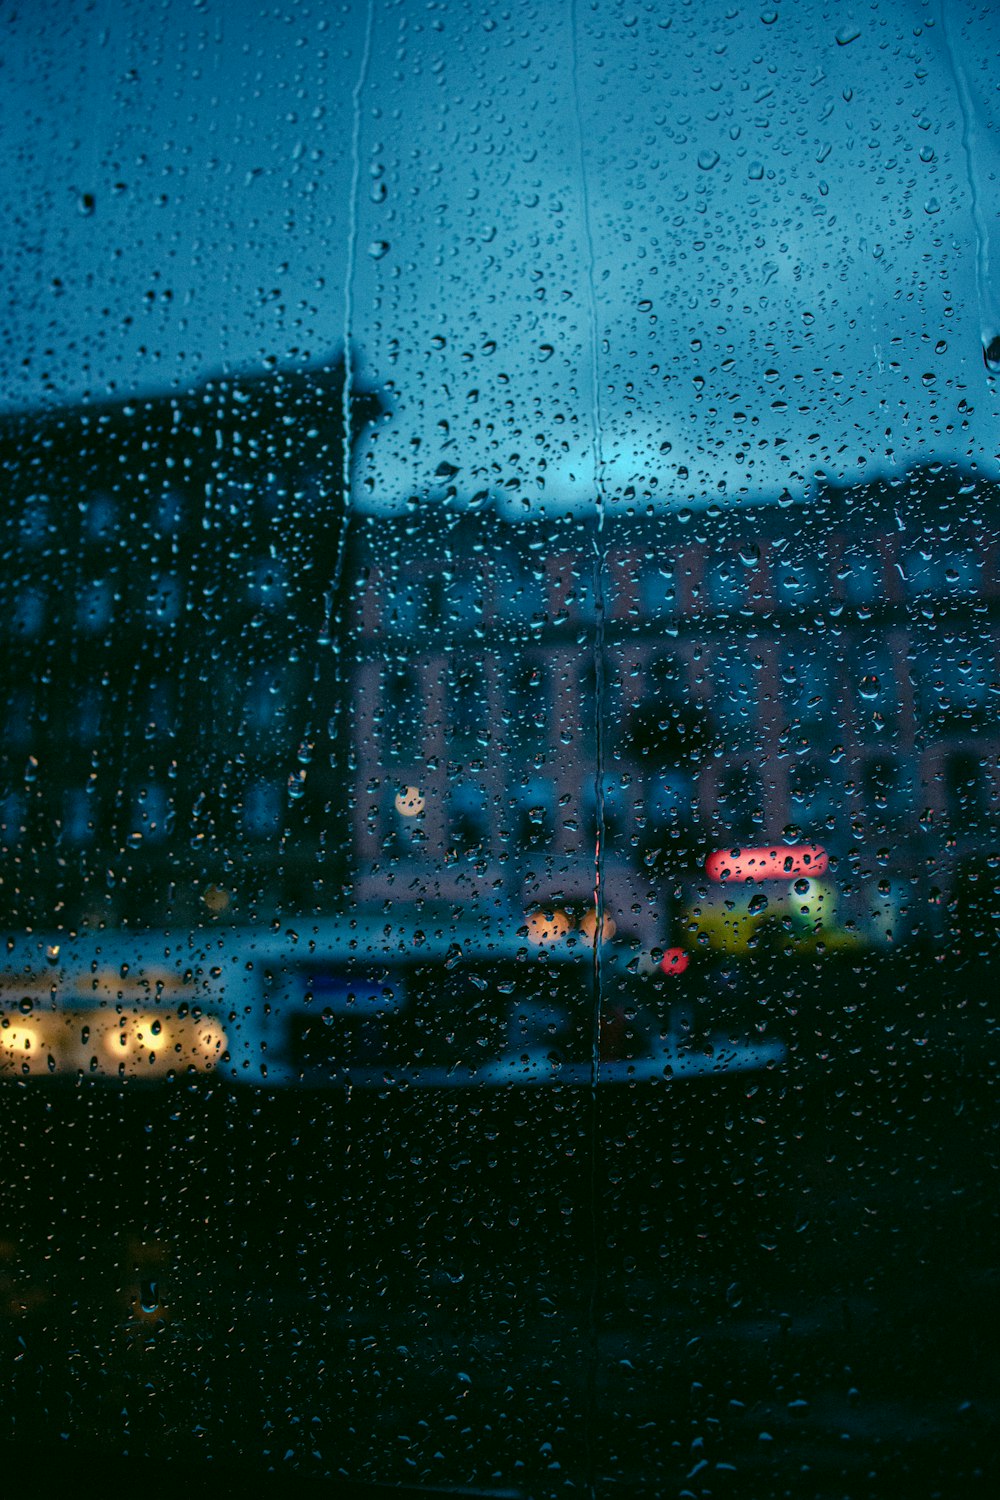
<point>600,481</point>
<point>988,311</point>
<point>349,268</point>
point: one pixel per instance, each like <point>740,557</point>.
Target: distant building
<point>167,740</point>
<point>824,671</point>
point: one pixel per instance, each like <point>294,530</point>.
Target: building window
<point>956,681</point>
<point>740,801</point>
<point>805,684</point>
<point>267,583</point>
<point>657,592</point>
<point>462,602</point>
<point>860,577</point>
<point>169,513</point>
<point>264,698</point>
<point>151,813</point>
<point>875,690</point>
<point>402,713</point>
<point>29,612</point>
<point>12,811</point>
<point>18,726</point>
<point>163,602</point>
<point>94,607</point>
<point>78,822</point>
<point>101,515</point>
<point>810,790</point>
<point>469,700</point>
<point>34,520</point>
<point>734,689</point>
<point>535,805</point>
<point>406,607</point>
<point>965,783</point>
<point>468,818</point>
<point>725,584</point>
<point>262,806</point>
<point>797,581</point>
<point>883,785</point>
<point>520,595</point>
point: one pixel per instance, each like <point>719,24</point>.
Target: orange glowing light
<point>774,863</point>
<point>588,926</point>
<point>547,926</point>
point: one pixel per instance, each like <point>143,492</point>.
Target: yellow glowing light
<point>215,898</point>
<point>410,802</point>
<point>813,900</point>
<point>21,1039</point>
<point>118,1041</point>
<point>547,926</point>
<point>210,1044</point>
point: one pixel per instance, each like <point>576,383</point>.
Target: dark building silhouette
<point>171,699</point>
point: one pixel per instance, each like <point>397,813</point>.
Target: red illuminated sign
<point>674,961</point>
<point>767,863</point>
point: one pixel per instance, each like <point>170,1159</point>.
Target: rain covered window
<point>500,757</point>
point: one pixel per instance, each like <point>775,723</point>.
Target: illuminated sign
<point>674,961</point>
<point>764,863</point>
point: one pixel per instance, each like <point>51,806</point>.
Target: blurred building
<point>214,704</point>
<point>825,670</point>
<point>169,683</point>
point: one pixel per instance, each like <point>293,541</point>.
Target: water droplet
<point>86,203</point>
<point>755,171</point>
<point>932,206</point>
<point>991,353</point>
<point>707,160</point>
<point>848,34</point>
<point>749,554</point>
<point>378,248</point>
<point>868,687</point>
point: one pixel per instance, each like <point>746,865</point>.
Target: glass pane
<point>499,796</point>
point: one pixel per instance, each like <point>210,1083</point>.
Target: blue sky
<point>682,252</point>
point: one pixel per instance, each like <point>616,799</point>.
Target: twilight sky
<point>682,250</point>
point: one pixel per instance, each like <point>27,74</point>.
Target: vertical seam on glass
<point>597,454</point>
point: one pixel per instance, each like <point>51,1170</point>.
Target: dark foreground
<point>765,1285</point>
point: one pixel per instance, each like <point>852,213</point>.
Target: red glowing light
<point>674,961</point>
<point>767,863</point>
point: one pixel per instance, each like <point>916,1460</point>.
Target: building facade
<point>170,672</point>
<point>824,671</point>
